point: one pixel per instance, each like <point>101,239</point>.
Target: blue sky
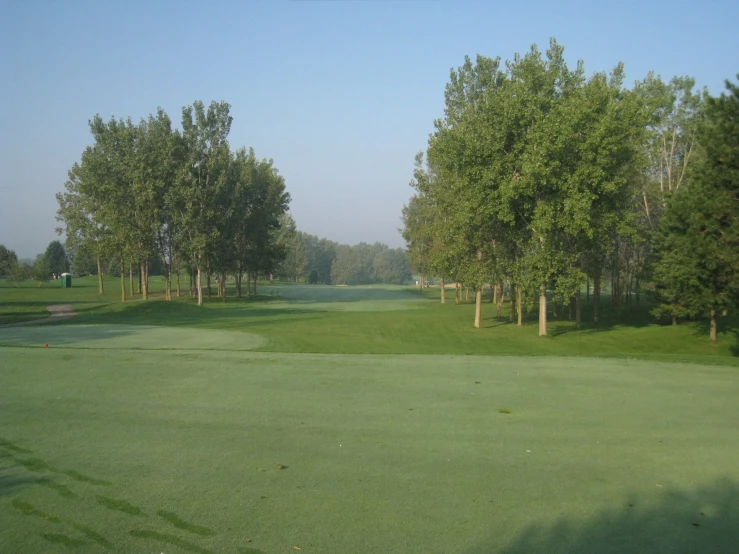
<point>341,94</point>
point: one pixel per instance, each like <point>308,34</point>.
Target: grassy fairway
<point>257,427</point>
<point>385,320</point>
<point>178,452</point>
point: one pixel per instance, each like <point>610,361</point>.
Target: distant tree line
<point>51,262</point>
<point>542,182</point>
<point>306,258</point>
<point>148,191</point>
<point>314,260</point>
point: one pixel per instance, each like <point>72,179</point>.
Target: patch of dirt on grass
<point>57,311</point>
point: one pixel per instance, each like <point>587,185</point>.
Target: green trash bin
<point>66,280</point>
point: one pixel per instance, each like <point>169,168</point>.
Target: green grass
<point>388,320</point>
<point>383,453</point>
<point>309,419</point>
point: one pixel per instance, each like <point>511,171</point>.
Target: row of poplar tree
<point>543,179</point>
<point>147,190</point>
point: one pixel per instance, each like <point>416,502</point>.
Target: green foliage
<point>345,266</point>
<point>42,268</point>
<point>56,258</point>
<point>544,177</point>
<point>19,271</point>
<point>8,260</point>
<point>144,192</point>
<point>391,266</point>
<point>82,259</point>
<point>697,269</point>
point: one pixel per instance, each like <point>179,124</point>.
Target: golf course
<point>318,418</point>
<point>369,277</point>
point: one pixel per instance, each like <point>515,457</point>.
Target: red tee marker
<point>46,345</point>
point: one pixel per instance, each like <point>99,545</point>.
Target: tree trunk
<point>223,281</point>
<point>458,297</point>
<point>168,277</point>
<point>519,307</point>
<point>596,299</point>
<point>144,289</point>
<point>587,292</point>
<point>130,279</point>
<point>554,307</point>
<point>123,281</point>
<point>443,292</point>
<point>674,320</point>
<point>501,299</point>
<point>208,280</point>
<point>614,286</point>
<point>478,308</point>
<point>542,311</point>
<point>256,276</point>
<point>140,276</point>
<point>512,314</point>
<point>178,280</point>
<point>466,293</point>
<point>191,275</point>
<point>637,286</point>
<point>713,325</point>
<point>577,310</point>
<point>146,277</point>
<point>199,286</point>
<point>101,287</point>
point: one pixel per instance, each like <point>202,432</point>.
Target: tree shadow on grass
<point>735,346</point>
<point>63,335</point>
<point>728,329</point>
<point>188,314</point>
<point>10,483</point>
<point>704,520</point>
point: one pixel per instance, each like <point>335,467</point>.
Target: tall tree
<point>345,267</point>
<point>56,257</point>
<point>701,229</point>
<point>42,268</point>
<point>391,266</point>
<point>8,260</point>
<point>207,158</point>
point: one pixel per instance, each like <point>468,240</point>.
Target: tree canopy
<point>148,190</point>
<point>540,178</point>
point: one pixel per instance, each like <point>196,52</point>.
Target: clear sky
<point>341,94</point>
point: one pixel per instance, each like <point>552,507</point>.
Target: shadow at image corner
<point>704,520</point>
<point>733,335</point>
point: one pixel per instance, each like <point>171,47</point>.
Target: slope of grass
<point>233,452</point>
<point>28,299</point>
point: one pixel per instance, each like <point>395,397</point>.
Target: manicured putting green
<point>259,453</point>
<point>142,337</point>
